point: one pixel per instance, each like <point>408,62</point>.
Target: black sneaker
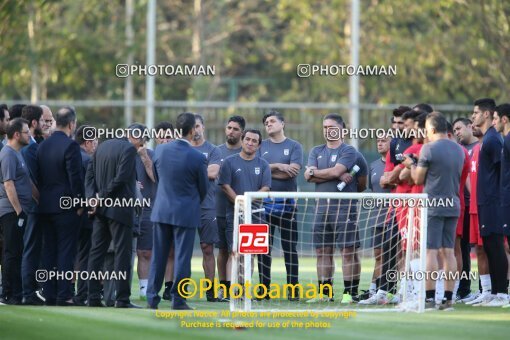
<point>290,297</point>
<point>210,296</point>
<point>33,301</point>
<point>264,297</point>
<point>166,294</point>
<point>10,301</point>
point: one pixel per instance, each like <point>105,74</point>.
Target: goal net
<point>328,252</point>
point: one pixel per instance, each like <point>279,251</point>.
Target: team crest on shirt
<point>333,158</point>
<point>257,171</point>
<point>286,152</point>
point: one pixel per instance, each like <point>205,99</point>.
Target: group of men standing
<point>192,185</point>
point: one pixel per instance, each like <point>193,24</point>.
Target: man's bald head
<point>48,122</point>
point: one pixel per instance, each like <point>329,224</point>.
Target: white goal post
<point>371,218</point>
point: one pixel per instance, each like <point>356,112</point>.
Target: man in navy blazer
<point>32,239</point>
<point>59,174</point>
<point>181,172</point>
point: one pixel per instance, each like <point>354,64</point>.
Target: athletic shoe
<point>33,301</point>
<point>430,304</point>
<point>479,299</point>
<point>166,293</point>
<point>210,296</point>
<point>366,294</point>
<point>346,298</point>
<point>445,306</point>
<point>488,298</point>
<point>380,298</point>
<point>393,299</point>
<point>40,295</point>
<point>221,297</point>
<point>293,299</point>
<point>499,300</point>
<point>470,297</point>
<point>261,295</point>
<point>321,299</point>
<point>290,297</point>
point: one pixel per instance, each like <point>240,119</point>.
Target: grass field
<point>18,322</point>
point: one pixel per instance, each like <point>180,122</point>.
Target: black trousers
<point>498,264</point>
<point>465,247</point>
<point>11,256</point>
<point>31,255</point>
<point>104,231</point>
<point>287,225</point>
<point>391,241</point>
<point>60,234</point>
<point>82,261</point>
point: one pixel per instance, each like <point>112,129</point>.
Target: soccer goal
<point>328,251</point>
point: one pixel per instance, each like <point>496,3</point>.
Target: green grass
<point>18,322</point>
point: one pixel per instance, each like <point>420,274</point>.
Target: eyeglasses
<point>27,132</point>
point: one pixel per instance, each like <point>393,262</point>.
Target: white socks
<point>373,287</point>
<point>440,288</point>
<point>143,286</point>
<point>486,283</point>
<point>455,289</point>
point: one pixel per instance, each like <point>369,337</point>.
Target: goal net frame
<point>243,210</point>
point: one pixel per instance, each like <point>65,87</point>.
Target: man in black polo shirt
<point>285,157</point>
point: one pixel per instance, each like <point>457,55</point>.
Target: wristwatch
<point>310,172</point>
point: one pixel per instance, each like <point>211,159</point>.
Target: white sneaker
<point>486,300</point>
<point>479,299</point>
<point>470,297</point>
<point>379,298</point>
<point>499,300</point>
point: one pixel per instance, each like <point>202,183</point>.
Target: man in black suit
<point>181,172</point>
<point>59,175</point>
<point>87,149</point>
<point>112,174</point>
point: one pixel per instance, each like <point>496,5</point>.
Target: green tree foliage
<point>446,51</point>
